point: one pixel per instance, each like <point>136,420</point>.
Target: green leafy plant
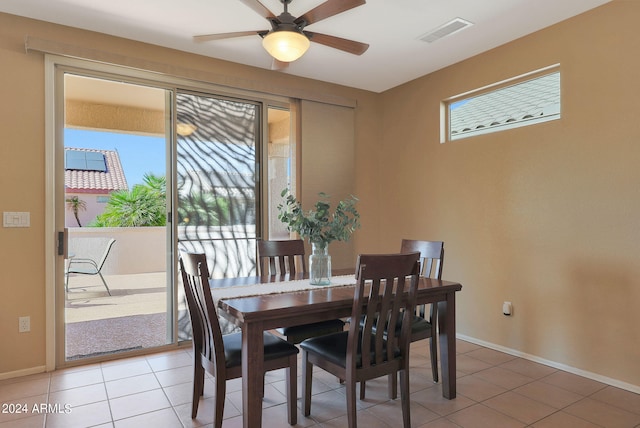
<point>319,225</point>
<point>144,205</point>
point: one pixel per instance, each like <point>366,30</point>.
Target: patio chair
<point>221,356</point>
<point>279,258</point>
<point>88,266</point>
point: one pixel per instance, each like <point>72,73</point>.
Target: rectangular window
<point>520,101</point>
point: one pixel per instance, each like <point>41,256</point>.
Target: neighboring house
<point>91,175</point>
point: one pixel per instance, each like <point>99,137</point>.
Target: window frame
<point>445,128</point>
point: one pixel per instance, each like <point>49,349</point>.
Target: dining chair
<point>221,356</point>
<point>89,266</point>
<point>284,257</point>
<point>384,294</point>
<point>423,326</point>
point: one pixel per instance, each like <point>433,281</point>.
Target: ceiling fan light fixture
<point>285,45</point>
<point>185,129</point>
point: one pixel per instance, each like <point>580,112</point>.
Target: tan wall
<point>22,151</point>
<point>328,157</point>
<point>545,216</point>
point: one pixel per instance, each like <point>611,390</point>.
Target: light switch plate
<point>16,219</point>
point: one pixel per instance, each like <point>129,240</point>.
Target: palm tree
<point>156,183</point>
<point>76,205</point>
<point>144,205</point>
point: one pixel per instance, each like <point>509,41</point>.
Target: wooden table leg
<point>252,378</point>
<point>447,323</point>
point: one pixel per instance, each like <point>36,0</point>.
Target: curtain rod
<point>33,44</point>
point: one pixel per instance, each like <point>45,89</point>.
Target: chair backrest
<point>105,254</point>
<point>381,279</point>
<point>207,336</point>
<point>279,257</point>
<point>431,256</point>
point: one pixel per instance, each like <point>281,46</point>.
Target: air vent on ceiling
<point>451,27</point>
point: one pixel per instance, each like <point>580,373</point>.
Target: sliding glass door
<point>218,141</point>
<point>217,184</point>
<point>117,292</point>
<point>143,169</point>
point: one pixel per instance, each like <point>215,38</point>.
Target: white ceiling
<point>392,28</point>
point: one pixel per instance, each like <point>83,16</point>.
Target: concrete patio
<point>132,294</point>
<point>133,317</point>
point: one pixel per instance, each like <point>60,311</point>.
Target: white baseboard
<point>559,366</point>
<point>23,372</point>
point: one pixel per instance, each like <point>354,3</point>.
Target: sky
<point>139,155</point>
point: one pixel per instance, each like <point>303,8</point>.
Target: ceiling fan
<point>287,40</point>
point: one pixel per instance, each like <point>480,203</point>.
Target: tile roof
<point>100,182</point>
<point>511,106</point>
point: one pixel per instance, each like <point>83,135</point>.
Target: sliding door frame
<point>55,68</point>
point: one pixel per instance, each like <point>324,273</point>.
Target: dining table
<point>273,308</point>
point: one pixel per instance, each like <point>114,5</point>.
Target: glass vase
<point>319,265</point>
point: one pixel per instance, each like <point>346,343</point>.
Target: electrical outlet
<point>24,324</point>
<point>507,308</point>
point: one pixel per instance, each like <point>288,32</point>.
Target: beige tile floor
<point>495,390</point>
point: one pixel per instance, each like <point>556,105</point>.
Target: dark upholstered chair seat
<point>419,325</point>
<point>297,333</point>
<point>274,348</point>
<point>333,347</point>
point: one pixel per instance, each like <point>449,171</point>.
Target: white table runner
<point>277,287</point>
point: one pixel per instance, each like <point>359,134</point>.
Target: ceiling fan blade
<point>328,9</point>
<point>220,36</point>
<point>279,65</point>
<point>346,45</point>
<point>259,8</point>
